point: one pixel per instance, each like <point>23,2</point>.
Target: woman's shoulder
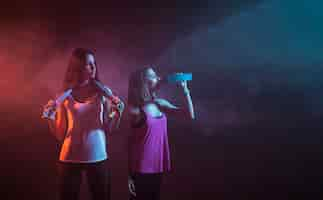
<point>161,102</point>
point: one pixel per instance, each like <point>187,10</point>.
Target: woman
<point>81,122</point>
<point>149,155</point>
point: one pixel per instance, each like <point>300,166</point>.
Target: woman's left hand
<point>184,86</point>
<point>131,186</point>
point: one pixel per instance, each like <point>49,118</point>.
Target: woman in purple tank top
<point>149,156</point>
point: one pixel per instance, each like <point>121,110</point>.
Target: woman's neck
<point>84,90</point>
<point>85,83</point>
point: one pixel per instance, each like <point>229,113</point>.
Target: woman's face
<point>151,78</point>
<point>89,71</point>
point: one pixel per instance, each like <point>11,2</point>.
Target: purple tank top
<point>149,150</point>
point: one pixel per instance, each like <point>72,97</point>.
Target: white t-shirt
<point>85,139</point>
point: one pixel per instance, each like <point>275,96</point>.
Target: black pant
<point>71,175</point>
<point>147,186</point>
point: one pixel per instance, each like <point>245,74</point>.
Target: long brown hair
<point>138,90</point>
<point>75,66</point>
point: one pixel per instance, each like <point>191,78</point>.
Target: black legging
<point>147,186</point>
<point>71,175</point>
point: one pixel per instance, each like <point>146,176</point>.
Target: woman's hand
<point>185,87</point>
<point>131,186</point>
<point>49,110</point>
<point>183,84</point>
<point>116,114</point>
<point>189,102</point>
<point>120,107</point>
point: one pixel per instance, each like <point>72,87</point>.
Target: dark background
<point>257,69</point>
